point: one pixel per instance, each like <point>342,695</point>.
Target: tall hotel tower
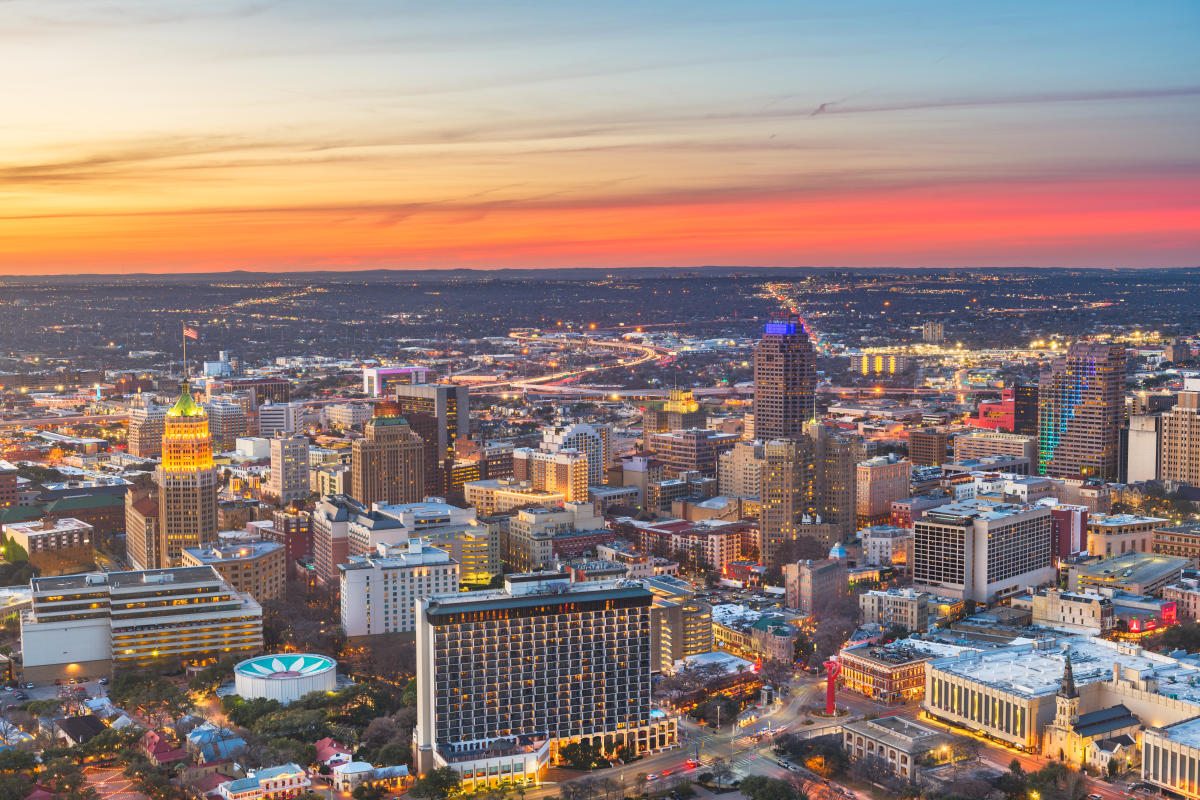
<point>785,380</point>
<point>187,482</point>
<point>1081,403</point>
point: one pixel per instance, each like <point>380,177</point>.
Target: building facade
<point>1180,454</point>
<point>379,592</point>
<point>187,483</point>
<point>1081,403</point>
<point>252,566</point>
<point>289,469</point>
<point>785,380</point>
<point>388,464</point>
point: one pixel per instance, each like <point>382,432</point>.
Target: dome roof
<point>838,552</point>
<point>185,406</point>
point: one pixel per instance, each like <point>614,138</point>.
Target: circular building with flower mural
<point>285,677</point>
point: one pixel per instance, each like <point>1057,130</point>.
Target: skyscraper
<point>785,380</point>
<point>187,482</point>
<point>146,430</point>
<point>388,465</point>
<point>1180,453</point>
<point>787,495</point>
<point>440,414</point>
<point>594,441</point>
<point>289,469</point>
<point>1081,401</point>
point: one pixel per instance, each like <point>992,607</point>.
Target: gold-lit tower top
<point>187,441</point>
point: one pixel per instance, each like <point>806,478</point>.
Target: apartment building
<point>255,567</point>
<point>880,480</point>
<point>532,532</point>
<point>907,608</point>
<point>54,546</point>
<point>1179,458</point>
<point>89,624</point>
<point>289,469</point>
<point>564,471</point>
<point>1111,535</point>
<point>379,592</point>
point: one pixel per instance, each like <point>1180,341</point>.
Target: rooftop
<point>215,554</point>
<point>125,580</point>
<point>550,590</point>
<point>1133,567</point>
<point>979,509</point>
<point>1114,520</point>
<point>1035,669</point>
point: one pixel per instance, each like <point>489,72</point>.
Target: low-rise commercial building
<point>891,673</point>
<point>902,744</point>
<point>906,608</point>
<point>502,495</point>
<point>55,546</point>
<point>256,567</point>
<point>887,546</point>
<point>1111,535</point>
<point>1073,612</point>
<point>1182,541</point>
<point>1133,572</point>
<point>273,783</point>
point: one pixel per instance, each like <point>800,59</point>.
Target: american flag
<point>191,332</point>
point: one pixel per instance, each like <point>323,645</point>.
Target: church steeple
<point>1067,687</point>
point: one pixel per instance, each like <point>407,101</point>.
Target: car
<point>102,681</point>
<point>8,688</point>
<point>1094,796</point>
<point>667,772</point>
<point>652,776</point>
<point>783,764</point>
<point>58,681</point>
<point>21,696</point>
<point>29,685</point>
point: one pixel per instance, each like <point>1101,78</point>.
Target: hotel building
<point>89,624</point>
<point>379,592</point>
<point>255,567</point>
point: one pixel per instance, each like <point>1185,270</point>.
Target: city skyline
<point>278,137</point>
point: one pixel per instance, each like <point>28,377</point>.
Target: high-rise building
<point>1180,459</point>
<point>1025,409</point>
<point>982,551</point>
<point>880,481</point>
<point>187,482</point>
<point>1141,448</point>
<point>785,380</point>
<point>835,478</point>
<point>740,469</point>
<point>787,498</point>
<point>388,464</point>
<point>227,422</point>
<point>146,430</point>
<point>141,527</point>
<point>379,592</point>
<point>694,450</point>
<point>927,448</point>
<point>932,332</point>
<point>565,471</point>
<point>505,678</point>
<point>1081,402</point>
<point>89,624</point>
<point>277,418</point>
<point>440,414</point>
<point>382,381</point>
<point>331,534</point>
<point>289,469</point>
<point>681,625</point>
<point>807,582</point>
<point>594,441</point>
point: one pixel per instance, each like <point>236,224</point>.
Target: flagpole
<point>183,330</point>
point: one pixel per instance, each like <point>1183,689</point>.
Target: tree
<point>760,787</point>
<point>1113,768</point>
<point>437,784</point>
<point>721,771</point>
<point>368,791</point>
<point>581,755</point>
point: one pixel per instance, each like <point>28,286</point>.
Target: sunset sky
<point>182,136</point>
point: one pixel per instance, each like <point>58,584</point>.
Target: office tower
<point>932,332</point>
<point>693,450</point>
<point>787,496</point>
<point>1180,459</point>
<point>259,390</point>
<point>187,482</point>
<point>927,448</point>
<point>1081,402</point>
<point>379,592</point>
<point>1025,409</point>
<point>506,677</point>
<point>740,469</point>
<point>388,464</point>
<point>344,416</point>
<point>227,422</point>
<point>785,380</point>
<point>275,418</point>
<point>808,582</point>
<point>440,414</point>
<point>141,527</point>
<point>146,430</point>
<point>679,412</point>
<point>835,478</point>
<point>1141,448</point>
<point>253,566</point>
<point>969,446</point>
<point>1068,531</point>
<point>91,624</point>
<point>565,471</point>
<point>289,469</point>
<point>594,441</point>
<point>982,551</point>
<point>881,480</point>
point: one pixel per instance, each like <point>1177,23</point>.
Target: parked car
<point>29,685</point>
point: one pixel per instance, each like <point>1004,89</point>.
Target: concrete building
<point>927,447</point>
<point>388,464</point>
<point>280,418</point>
<point>681,625</point>
<point>807,583</point>
<point>1080,409</point>
<point>887,546</point>
<point>880,481</point>
<point>787,499</point>
<point>331,534</point>
<point>503,495</point>
<point>379,592</point>
<point>564,472</point>
<point>146,425</point>
<point>187,483</point>
<point>382,381</point>
<point>227,422</point>
<point>901,744</point>
<point>785,380</point>
<point>1141,451</point>
<point>907,608</point>
<point>532,533</point>
<point>1088,613</point>
<point>505,678</point>
<point>971,446</point>
<point>344,416</point>
<point>89,624</point>
<point>440,414</point>
<point>1180,457</point>
<point>1182,541</point>
<point>981,551</point>
<point>740,469</point>
<point>255,567</point>
<point>594,441</point>
<point>472,544</point>
<point>1113,534</point>
<point>695,450</point>
<point>932,332</point>
<point>289,469</point>
<point>1185,594</point>
<point>141,528</point>
<point>1131,571</point>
